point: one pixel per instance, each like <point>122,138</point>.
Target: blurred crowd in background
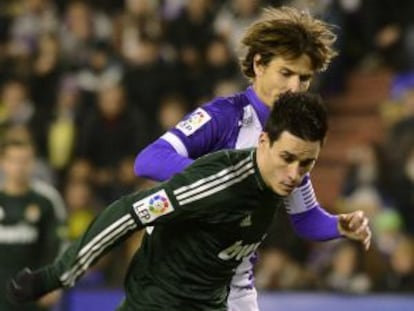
<point>93,82</point>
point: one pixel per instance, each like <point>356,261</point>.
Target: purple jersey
<point>233,122</point>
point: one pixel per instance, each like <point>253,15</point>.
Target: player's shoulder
<point>227,157</point>
<point>221,113</point>
<point>232,104</point>
<point>50,195</point>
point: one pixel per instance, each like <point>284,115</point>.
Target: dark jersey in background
<point>31,230</point>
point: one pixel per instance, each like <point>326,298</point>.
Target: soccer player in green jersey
<point>206,219</point>
<point>32,216</point>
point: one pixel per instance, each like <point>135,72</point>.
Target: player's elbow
<point>141,163</point>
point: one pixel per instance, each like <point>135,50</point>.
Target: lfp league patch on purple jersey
<point>150,208</point>
<point>195,121</point>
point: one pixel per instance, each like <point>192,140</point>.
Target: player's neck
<point>15,187</point>
<point>267,100</point>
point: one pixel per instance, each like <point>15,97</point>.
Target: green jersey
<point>207,219</point>
<point>30,226</point>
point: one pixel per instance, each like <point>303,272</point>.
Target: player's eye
<point>304,79</point>
<point>288,159</point>
<point>306,163</point>
<point>286,73</point>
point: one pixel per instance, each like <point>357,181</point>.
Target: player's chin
<point>284,190</point>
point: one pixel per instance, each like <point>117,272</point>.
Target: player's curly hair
<point>290,33</point>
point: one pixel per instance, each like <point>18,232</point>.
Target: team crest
<point>153,206</point>
<point>195,121</point>
<point>32,213</point>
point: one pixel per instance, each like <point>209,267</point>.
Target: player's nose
<point>294,84</point>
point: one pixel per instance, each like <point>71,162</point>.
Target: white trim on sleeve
<point>176,143</point>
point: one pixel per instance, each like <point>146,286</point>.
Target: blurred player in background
<point>206,219</point>
<point>282,52</point>
<point>32,215</point>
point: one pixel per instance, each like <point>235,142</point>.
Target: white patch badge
<point>196,120</point>
<point>153,206</point>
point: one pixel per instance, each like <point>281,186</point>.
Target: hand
<point>354,226</point>
<point>26,286</point>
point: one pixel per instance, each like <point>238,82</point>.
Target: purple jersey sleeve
<point>209,128</point>
<point>160,161</point>
<point>316,224</point>
<point>309,220</point>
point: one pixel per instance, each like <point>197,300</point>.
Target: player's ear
<point>258,67</point>
<point>263,139</point>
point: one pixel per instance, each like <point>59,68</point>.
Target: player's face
<point>17,164</point>
<point>281,75</point>
<point>284,163</point>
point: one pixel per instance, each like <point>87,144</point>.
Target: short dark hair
<point>302,114</point>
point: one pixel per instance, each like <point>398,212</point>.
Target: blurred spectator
<point>44,84</point>
<point>125,181</point>
<point>399,135</point>
<point>170,9</point>
<point>400,147</point>
<point>277,271</point>
<point>37,18</point>
<point>366,185</point>
<point>81,170</point>
<point>226,88</point>
<point>138,20</point>
<point>403,187</point>
<point>115,132</point>
<point>172,109</point>
<point>220,64</point>
<point>234,18</point>
<point>81,206</point>
<point>101,69</point>
<point>344,273</point>
<point>393,32</point>
<point>32,216</point>
<point>387,228</point>
<point>62,129</point>
<point>148,78</point>
<point>16,107</point>
<point>192,29</point>
<point>81,27</point>
<point>400,275</point>
<point>41,170</point>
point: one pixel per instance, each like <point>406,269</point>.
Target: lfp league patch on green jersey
<point>195,121</point>
<point>151,207</point>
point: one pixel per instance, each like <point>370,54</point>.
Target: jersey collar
<point>260,182</point>
<point>260,107</point>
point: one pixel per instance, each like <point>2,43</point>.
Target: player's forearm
<point>316,224</point>
<point>110,228</point>
<point>160,161</point>
<point>309,220</point>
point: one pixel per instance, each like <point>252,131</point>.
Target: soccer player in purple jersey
<point>283,51</point>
